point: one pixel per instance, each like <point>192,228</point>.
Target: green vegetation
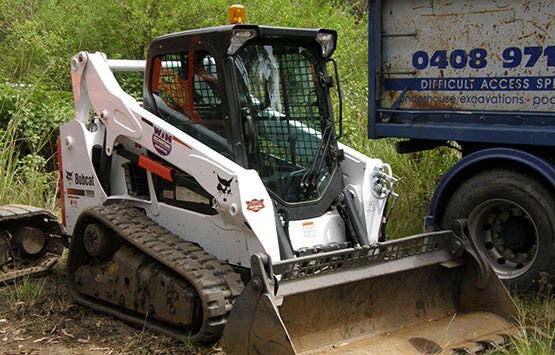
<point>29,119</point>
<point>24,294</point>
<point>36,45</point>
<point>536,328</point>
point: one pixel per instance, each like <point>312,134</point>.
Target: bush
<point>38,114</point>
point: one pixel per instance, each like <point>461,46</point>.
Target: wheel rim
<point>506,234</point>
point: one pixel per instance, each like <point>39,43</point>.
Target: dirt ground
<point>37,316</point>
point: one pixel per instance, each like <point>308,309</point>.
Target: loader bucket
<point>427,294</point>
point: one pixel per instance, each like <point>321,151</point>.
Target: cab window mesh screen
<point>278,86</point>
<point>172,82</point>
<point>297,129</point>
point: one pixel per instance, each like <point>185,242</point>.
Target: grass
<point>536,327</point>
<point>537,318</point>
<point>24,177</point>
<point>24,294</point>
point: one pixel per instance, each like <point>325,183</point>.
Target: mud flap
<point>430,293</point>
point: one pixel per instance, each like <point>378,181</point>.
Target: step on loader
<point>224,204</point>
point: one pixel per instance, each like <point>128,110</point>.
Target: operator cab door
<point>188,94</point>
<point>288,125</point>
<point>187,89</point>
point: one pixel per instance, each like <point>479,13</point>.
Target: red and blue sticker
<point>162,141</point>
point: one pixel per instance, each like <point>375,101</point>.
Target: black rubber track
<point>42,262</point>
<point>214,281</point>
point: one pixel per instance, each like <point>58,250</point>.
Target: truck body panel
<point>474,71</point>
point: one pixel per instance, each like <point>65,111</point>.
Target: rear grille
<point>136,181</point>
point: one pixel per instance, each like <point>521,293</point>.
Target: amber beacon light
<point>236,14</point>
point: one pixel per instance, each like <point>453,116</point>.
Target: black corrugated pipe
<point>285,248</point>
<point>356,223</point>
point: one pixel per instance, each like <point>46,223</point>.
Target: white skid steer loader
<point>224,204</point>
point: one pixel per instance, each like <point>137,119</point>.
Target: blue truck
<point>479,75</point>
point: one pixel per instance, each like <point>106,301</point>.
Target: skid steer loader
<point>31,242</point>
<point>224,204</point>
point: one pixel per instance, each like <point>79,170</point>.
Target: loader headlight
<point>328,41</point>
<point>239,37</point>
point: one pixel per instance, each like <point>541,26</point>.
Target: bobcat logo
<point>69,175</point>
<point>224,186</point>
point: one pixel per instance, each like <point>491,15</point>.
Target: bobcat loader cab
<point>260,97</point>
<point>225,201</point>
<point>262,101</point>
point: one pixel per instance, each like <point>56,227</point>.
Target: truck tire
<point>511,217</point>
